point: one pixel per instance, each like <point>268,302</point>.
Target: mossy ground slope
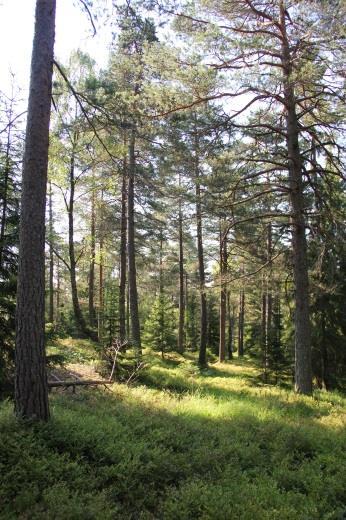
<point>181,444</point>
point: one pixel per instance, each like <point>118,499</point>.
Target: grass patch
<point>73,350</point>
<point>182,444</point>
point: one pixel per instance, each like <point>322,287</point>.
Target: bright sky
<point>73,30</point>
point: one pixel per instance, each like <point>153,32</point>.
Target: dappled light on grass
<point>181,444</point>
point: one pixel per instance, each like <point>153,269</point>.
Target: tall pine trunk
<point>223,292</point>
<point>31,392</point>
<point>101,276</point>
<point>132,274</point>
<point>181,326</point>
<point>4,194</point>
<point>80,321</point>
<point>123,244</point>
<point>91,285</point>
<point>202,358</point>
<point>51,258</point>
<point>303,369</point>
<point>241,323</point>
<point>264,339</point>
<point>230,320</point>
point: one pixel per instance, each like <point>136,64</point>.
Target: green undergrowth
<point>180,445</point>
<point>72,350</point>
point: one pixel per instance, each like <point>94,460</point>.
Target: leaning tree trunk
<point>132,275</point>
<point>31,391</point>
<point>303,369</point>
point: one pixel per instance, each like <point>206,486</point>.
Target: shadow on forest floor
<point>179,445</point>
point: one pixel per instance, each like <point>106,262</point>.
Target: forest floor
<point>180,444</point>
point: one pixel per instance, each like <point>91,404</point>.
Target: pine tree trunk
<point>31,391</point>
<point>303,369</point>
<point>57,312</point>
<point>223,293</point>
<point>161,302</point>
<point>230,327</point>
<point>123,231</point>
<point>80,321</point>
<point>241,323</point>
<point>264,330</point>
<point>101,287</point>
<point>132,275</point>
<point>51,259</point>
<point>181,327</point>
<point>5,191</point>
<point>202,358</point>
<point>91,285</point>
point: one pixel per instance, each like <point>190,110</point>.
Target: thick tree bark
<point>31,391</point>
<point>51,258</point>
<point>181,325</point>
<point>123,244</point>
<point>132,275</point>
<point>91,288</point>
<point>303,369</point>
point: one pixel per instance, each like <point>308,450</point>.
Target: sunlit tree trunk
<point>132,274</point>
<point>4,194</point>
<point>181,327</point>
<point>51,258</point>
<point>230,320</point>
<point>123,244</point>
<point>202,358</point>
<point>91,288</point>
<point>31,392</point>
<point>241,323</point>
<point>303,369</point>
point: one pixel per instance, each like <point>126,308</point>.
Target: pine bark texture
<point>241,323</point>
<point>181,325</point>
<point>223,293</point>
<point>202,358</point>
<point>80,321</point>
<point>123,243</point>
<point>31,390</point>
<point>5,189</point>
<point>51,258</point>
<point>91,288</point>
<point>303,369</point>
<point>132,274</point>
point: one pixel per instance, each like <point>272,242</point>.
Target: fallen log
<point>78,382</point>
